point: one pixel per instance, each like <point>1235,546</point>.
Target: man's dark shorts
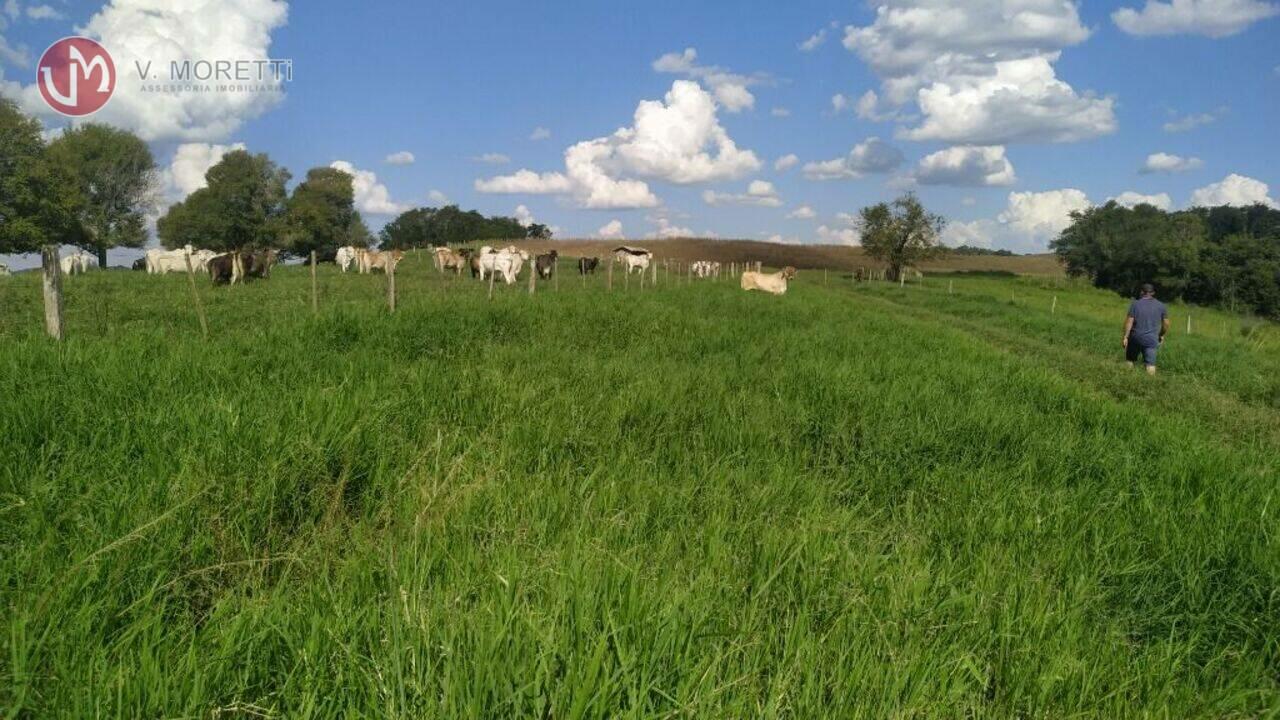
<point>1144,348</point>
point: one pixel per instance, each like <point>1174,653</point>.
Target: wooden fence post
<point>491,274</point>
<point>52,271</point>
<point>391,285</point>
<point>1188,323</point>
<point>950,286</point>
<point>1054,310</point>
<point>655,276</point>
<point>195,295</point>
<point>315,297</point>
<point>610,274</point>
<point>533,278</point>
<point>824,276</point>
<point>555,275</point>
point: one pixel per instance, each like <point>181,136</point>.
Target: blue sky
<point>1003,115</point>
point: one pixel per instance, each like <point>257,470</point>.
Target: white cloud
<point>871,156</point>
<point>671,140</point>
<point>839,102</point>
<point>848,219</point>
<point>16,56</point>
<point>1236,190</point>
<point>780,240</point>
<point>1166,163</point>
<point>780,112</point>
<point>981,71</point>
<point>869,107</point>
<point>786,162</point>
<point>814,41</point>
<point>43,12</point>
<point>1043,215</point>
<point>1132,199</point>
<point>404,157</point>
<point>540,133</point>
<point>966,165</point>
<point>1192,121</point>
<point>13,9</point>
<point>730,88</point>
<point>666,230</point>
<point>1212,18</point>
<point>973,234</point>
<point>187,169</point>
<point>372,197</point>
<point>524,216</point>
<point>157,31</point>
<point>438,198</point>
<point>759,192</point>
<point>611,229</point>
<point>838,236</point>
<point>804,212</point>
<point>492,159</point>
<point>968,201</point>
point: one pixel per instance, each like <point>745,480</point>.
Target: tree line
<point>1226,255</point>
<point>94,187</point>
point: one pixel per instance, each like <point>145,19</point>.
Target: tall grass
<point>683,501</point>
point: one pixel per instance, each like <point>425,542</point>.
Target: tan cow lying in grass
<point>775,283</point>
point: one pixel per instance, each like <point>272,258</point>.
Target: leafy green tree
<point>116,175</point>
<point>358,234</point>
<point>39,201</point>
<point>319,215</point>
<point>1121,248</point>
<point>538,231</point>
<point>449,225</point>
<point>901,234</point>
<point>242,206</point>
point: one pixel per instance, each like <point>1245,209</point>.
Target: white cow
<point>633,258</point>
<point>78,262</point>
<point>507,262</point>
<point>346,257</point>
<point>705,269</point>
<point>160,261</point>
<point>775,283</point>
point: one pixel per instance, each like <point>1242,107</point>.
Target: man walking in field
<point>1144,329</point>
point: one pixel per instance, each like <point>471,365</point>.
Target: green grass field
<point>853,501</point>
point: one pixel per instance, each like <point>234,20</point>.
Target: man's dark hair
<point>1148,289</point>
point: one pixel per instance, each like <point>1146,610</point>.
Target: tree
<point>39,200</point>
<point>900,234</point>
<point>449,225</point>
<point>1121,248</point>
<point>358,234</point>
<point>116,176</point>
<point>538,231</point>
<point>241,207</point>
<point>320,214</point>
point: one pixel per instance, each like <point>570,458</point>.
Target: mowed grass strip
<point>682,501</point>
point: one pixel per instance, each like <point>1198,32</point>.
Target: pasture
<point>854,500</point>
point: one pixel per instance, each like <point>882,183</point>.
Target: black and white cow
<point>587,266</point>
<point>546,264</point>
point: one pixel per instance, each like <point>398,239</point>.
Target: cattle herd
<point>487,263</point>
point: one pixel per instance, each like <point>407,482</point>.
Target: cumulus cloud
<point>186,171</point>
<point>780,112</point>
<point>839,102</point>
<point>870,107</point>
<point>838,236</point>
<point>677,140</point>
<point>814,41</point>
<point>981,71</point>
<point>44,12</point>
<point>667,230</point>
<point>524,216</point>
<point>1211,18</point>
<point>371,196</point>
<point>786,162</point>
<point>540,133</point>
<point>1132,199</point>
<point>1236,190</point>
<point>780,240</point>
<point>1167,163</point>
<point>611,229</point>
<point>15,56</point>
<point>1191,121</point>
<point>157,32</point>
<point>1028,223</point>
<point>437,198</point>
<point>759,192</point>
<point>492,159</point>
<point>404,157</point>
<point>804,212</point>
<point>871,156</point>
<point>966,165</point>
<point>730,88</point>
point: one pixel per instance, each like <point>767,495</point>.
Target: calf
<point>775,283</point>
<point>546,264</point>
<point>587,266</point>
